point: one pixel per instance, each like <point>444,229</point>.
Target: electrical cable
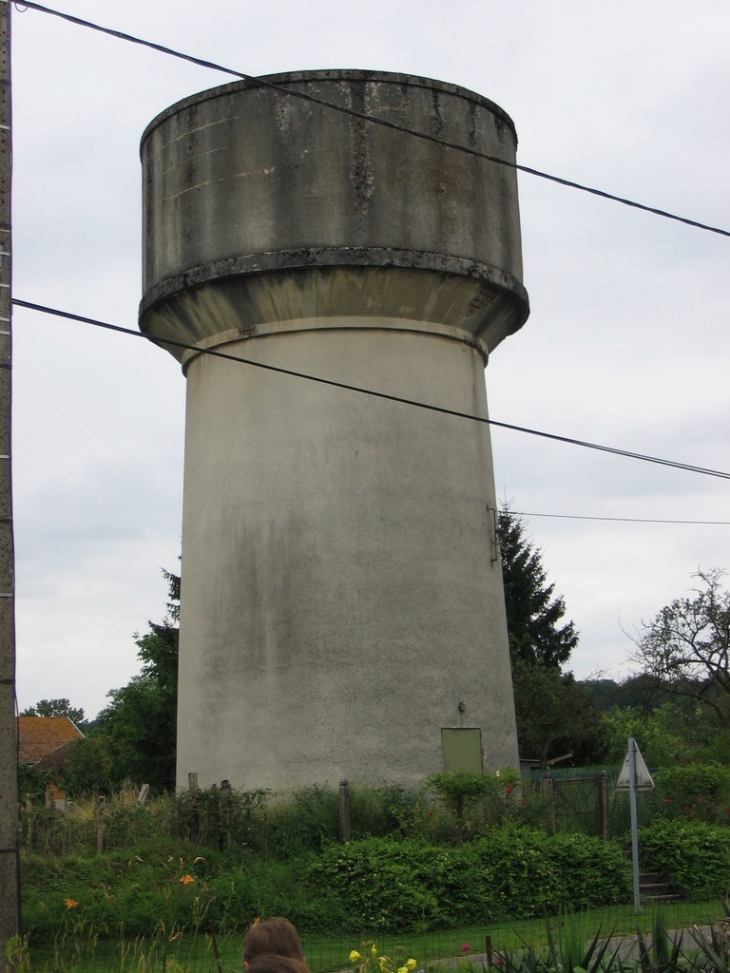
<point>170,342</point>
<point>211,65</point>
<point>626,520</point>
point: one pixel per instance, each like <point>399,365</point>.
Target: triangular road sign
<point>643,781</point>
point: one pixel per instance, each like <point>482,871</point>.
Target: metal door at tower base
<point>462,749</point>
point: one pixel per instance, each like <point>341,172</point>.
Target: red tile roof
<point>45,737</point>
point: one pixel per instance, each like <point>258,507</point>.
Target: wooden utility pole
<point>9,851</point>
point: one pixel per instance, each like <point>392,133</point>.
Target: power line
<point>172,343</point>
<point>213,66</point>
<point>626,520</point>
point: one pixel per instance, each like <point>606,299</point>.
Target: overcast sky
<point>628,342</point>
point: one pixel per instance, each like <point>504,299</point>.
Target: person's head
<point>273,963</point>
<point>269,937</point>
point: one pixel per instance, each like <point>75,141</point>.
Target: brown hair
<point>276,937</point>
<point>273,963</point>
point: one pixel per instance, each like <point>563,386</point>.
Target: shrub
<point>376,812</point>
<point>229,857</point>
<point>301,821</point>
<point>695,854</point>
<point>699,791</point>
<point>377,883</point>
<point>32,783</point>
<point>530,872</point>
<point>474,800</point>
<point>222,818</point>
<point>513,872</point>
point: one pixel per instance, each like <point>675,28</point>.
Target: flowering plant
<point>368,961</point>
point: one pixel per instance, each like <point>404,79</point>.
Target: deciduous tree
<point>57,707</point>
<point>555,717</point>
<point>687,645</point>
<point>135,735</point>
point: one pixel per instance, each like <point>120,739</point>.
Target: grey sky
<point>628,342</point>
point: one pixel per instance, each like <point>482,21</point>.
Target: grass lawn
<point>184,954</point>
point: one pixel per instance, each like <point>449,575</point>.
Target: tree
<point>533,612</point>
<point>553,712</point>
<point>135,735</point>
<point>90,766</point>
<point>459,789</point>
<point>665,738</point>
<point>686,646</point>
<point>57,707</point>
<point>555,717</point>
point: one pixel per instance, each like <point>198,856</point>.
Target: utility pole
<point>9,851</point>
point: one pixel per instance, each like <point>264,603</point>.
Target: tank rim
<point>326,74</point>
<point>242,265</point>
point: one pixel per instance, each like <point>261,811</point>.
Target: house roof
<point>45,737</point>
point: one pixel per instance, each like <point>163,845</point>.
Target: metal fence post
<point>548,790</point>
<point>602,804</point>
<point>344,811</point>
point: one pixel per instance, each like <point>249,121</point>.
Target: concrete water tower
<point>342,604</point>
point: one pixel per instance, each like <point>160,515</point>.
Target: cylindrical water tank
<point>342,602</point>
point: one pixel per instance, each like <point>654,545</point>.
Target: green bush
<point>695,854</point>
<point>276,825</point>
<point>301,821</point>
<point>476,802</point>
<point>377,812</point>
<point>222,818</point>
<point>377,883</point>
<point>513,872</point>
<point>372,884</point>
<point>173,864</point>
<point>32,783</point>
<point>699,791</point>
<point>292,824</point>
<point>530,872</point>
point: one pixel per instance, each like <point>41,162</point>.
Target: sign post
<point>634,777</point>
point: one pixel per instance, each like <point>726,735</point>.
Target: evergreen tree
<point>533,613</point>
<point>555,715</point>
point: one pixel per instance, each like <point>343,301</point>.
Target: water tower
<point>342,603</point>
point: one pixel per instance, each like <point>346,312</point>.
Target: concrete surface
<point>341,592</point>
